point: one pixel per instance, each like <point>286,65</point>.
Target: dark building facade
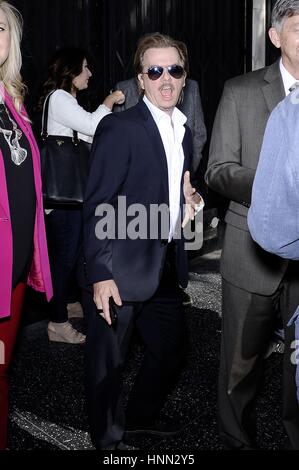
<point>217,34</point>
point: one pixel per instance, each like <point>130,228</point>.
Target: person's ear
<point>274,37</point>
<point>140,80</point>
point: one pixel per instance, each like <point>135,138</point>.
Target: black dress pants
<point>64,234</point>
<point>161,324</point>
<point>247,327</point>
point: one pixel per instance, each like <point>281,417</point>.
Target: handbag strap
<point>44,132</point>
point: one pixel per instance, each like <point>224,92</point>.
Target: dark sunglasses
<point>156,71</point>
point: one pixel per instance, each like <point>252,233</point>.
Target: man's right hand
<point>102,291</point>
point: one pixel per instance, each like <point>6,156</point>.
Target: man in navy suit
<point>189,104</point>
<point>140,162</point>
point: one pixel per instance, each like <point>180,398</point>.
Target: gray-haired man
<point>255,283</point>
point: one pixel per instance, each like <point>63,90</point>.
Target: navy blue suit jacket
<point>128,159</point>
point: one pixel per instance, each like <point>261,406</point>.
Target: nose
<point>166,75</point>
<point>89,73</point>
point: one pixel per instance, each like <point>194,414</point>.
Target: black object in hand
<point>113,312</point>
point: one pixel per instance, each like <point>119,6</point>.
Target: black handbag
<point>64,167</point>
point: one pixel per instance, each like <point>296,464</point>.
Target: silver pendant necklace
<point>17,153</point>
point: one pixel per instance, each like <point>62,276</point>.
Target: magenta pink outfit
<point>39,276</point>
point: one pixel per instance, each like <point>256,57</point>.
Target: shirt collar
<point>287,78</point>
<point>177,117</point>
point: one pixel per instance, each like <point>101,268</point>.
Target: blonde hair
<point>10,70</point>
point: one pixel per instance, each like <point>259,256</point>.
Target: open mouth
<point>166,92</point>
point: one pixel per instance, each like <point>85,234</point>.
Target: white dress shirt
<point>172,133</point>
<point>66,115</point>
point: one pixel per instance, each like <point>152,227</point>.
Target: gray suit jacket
<point>190,106</point>
<point>239,126</point>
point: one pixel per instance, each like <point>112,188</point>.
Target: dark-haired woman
<point>68,74</point>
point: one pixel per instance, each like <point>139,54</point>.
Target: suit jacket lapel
<point>186,144</point>
<point>273,90</point>
<point>156,141</point>
<point>187,151</point>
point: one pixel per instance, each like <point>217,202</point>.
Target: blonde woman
<point>23,250</point>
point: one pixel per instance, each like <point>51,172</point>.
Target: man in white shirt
<point>144,156</point>
<point>255,284</point>
<point>190,105</point>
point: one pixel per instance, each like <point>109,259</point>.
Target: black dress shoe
<point>287,445</point>
<point>186,299</point>
<point>162,427</point>
<point>120,446</point>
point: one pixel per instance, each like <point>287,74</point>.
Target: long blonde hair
<point>10,70</point>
